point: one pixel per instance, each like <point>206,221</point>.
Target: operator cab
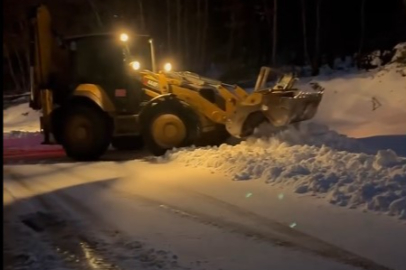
<point>107,58</point>
<point>110,61</point>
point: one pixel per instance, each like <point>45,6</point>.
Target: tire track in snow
<point>74,248</point>
<point>8,192</point>
<point>297,238</point>
<point>22,248</point>
<point>285,236</point>
<point>147,259</point>
<point>274,233</point>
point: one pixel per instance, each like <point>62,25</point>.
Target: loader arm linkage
<point>280,105</point>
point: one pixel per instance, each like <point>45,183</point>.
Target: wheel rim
<point>168,131</point>
<point>79,131</point>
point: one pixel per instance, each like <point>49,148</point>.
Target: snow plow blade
<point>280,106</point>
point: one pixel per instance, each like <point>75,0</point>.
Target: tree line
<point>236,36</point>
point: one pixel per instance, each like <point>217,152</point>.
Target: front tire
<point>169,124</point>
<point>86,133</point>
<point>57,120</point>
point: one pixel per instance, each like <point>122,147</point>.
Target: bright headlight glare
<point>135,65</point>
<point>168,67</point>
<point>124,37</point>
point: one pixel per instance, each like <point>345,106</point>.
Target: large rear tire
<point>123,143</point>
<point>86,133</point>
<point>167,125</point>
<point>57,121</point>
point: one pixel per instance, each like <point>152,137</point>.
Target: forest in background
<point>234,36</point>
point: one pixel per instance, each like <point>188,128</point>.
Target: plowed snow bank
<point>312,161</point>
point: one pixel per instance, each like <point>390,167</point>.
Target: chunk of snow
<point>376,60</point>
<point>399,49</point>
<point>302,189</point>
<point>386,158</point>
<point>398,207</point>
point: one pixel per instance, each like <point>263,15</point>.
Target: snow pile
<point>309,165</point>
<point>22,118</point>
<point>311,133</point>
<point>400,51</point>
<point>364,104</point>
<point>343,63</point>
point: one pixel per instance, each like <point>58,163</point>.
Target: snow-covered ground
<point>364,104</point>
<point>20,118</point>
<point>320,163</point>
<point>328,196</point>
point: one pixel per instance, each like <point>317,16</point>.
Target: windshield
<point>139,50</point>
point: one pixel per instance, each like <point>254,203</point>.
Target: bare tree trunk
<point>185,37</point>
<point>267,16</point>
<point>141,7</point>
<point>96,13</point>
<point>316,58</point>
<point>11,68</point>
<point>306,51</point>
<point>199,32</point>
<point>179,36</point>
<point>266,55</point>
<point>204,35</point>
<point>168,26</point>
<point>275,29</point>
<point>22,70</point>
<point>362,34</point>
<point>231,37</point>
<point>24,66</point>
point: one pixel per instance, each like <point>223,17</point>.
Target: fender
<point>169,98</point>
<point>157,99</point>
<point>97,95</point>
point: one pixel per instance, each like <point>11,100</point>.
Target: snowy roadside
<point>50,239</point>
<point>20,118</point>
<point>205,220</point>
<point>313,161</point>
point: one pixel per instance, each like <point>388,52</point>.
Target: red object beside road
<point>10,155</point>
<point>29,147</point>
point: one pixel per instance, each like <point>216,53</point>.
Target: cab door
<point>101,60</point>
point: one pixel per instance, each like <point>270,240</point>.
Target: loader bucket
<point>279,105</point>
<point>277,108</point>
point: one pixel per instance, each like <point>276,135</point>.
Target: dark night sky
<point>249,42</point>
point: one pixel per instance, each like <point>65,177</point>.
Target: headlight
<point>135,65</point>
<point>123,37</point>
<point>168,67</point>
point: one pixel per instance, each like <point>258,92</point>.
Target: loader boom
<point>40,52</point>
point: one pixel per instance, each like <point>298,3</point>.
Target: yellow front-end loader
<point>106,89</point>
<point>225,109</point>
